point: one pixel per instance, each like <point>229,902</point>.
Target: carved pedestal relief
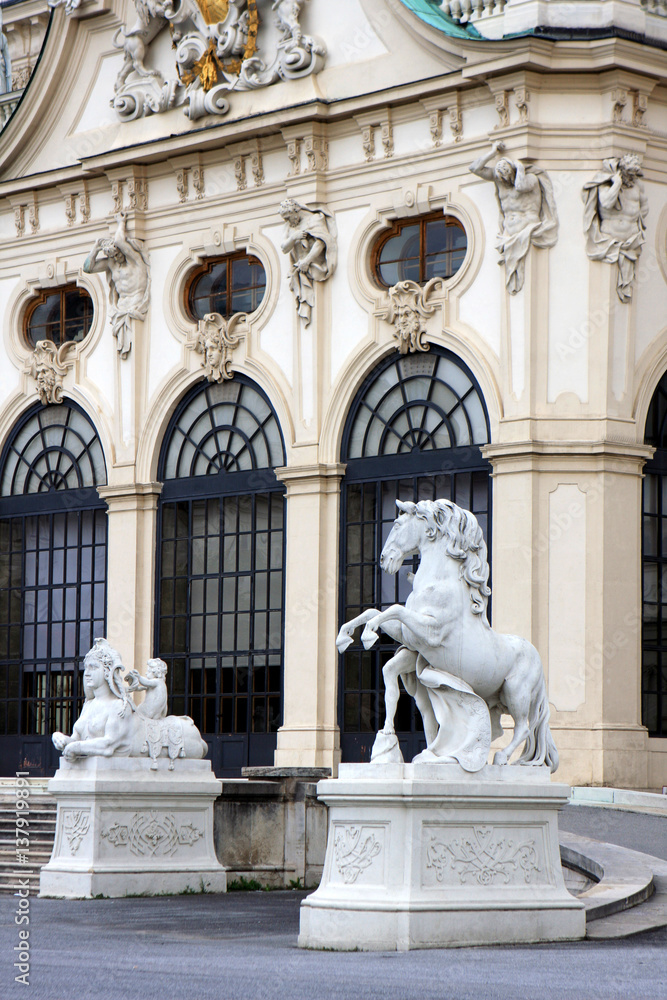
<point>355,849</point>
<point>152,833</point>
<point>76,824</point>
<point>482,855</point>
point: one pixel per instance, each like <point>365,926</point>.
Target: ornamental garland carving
<point>216,44</point>
<point>216,339</point>
<point>483,857</point>
<point>48,366</point>
<point>354,853</point>
<point>76,824</point>
<point>153,834</point>
<point>407,312</point>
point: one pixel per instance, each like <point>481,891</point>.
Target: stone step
<point>41,816</point>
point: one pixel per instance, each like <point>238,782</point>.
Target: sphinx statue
<point>112,725</point>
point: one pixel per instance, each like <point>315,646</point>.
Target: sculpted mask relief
<point>615,218</point>
<point>216,44</point>
<point>462,675</point>
<point>528,215</point>
<point>310,239</point>
<point>126,266</point>
<point>408,310</point>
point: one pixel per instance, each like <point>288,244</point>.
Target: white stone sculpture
<point>110,725</point>
<point>128,820</point>
<point>310,239</point>
<point>127,268</point>
<point>615,213</point>
<point>48,366</point>
<point>216,339</point>
<point>215,44</point>
<point>528,215</point>
<point>407,311</point>
<point>460,672</point>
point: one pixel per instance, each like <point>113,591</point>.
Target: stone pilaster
<point>132,510</point>
<point>310,735</point>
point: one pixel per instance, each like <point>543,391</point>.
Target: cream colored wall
<point>566,371</point>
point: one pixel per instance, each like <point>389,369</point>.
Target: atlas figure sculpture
<point>462,674</point>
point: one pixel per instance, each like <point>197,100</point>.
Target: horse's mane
<point>465,542</point>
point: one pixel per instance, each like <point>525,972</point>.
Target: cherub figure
<point>154,705</point>
<point>126,266</point>
<point>528,214</point>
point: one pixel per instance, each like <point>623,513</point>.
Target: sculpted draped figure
<point>615,213</point>
<point>126,267</point>
<point>528,213</point>
<point>111,725</point>
<point>461,673</point>
<point>310,239</point>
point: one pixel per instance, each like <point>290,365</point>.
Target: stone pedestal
<point>430,856</point>
<point>123,829</point>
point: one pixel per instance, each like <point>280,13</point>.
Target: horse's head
<point>404,538</point>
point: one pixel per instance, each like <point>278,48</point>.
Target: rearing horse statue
<point>461,673</point>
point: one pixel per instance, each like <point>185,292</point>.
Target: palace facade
<point>310,307</point>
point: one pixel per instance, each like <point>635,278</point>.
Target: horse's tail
<point>540,747</point>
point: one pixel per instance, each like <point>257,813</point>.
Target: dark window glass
<point>226,285</point>
<point>413,433</point>
<point>59,316</point>
<point>220,585</point>
<point>53,557</point>
<point>654,569</point>
<point>432,247</point>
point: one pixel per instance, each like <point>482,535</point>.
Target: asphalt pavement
<point>242,946</point>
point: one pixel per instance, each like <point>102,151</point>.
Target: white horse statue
<point>461,673</point>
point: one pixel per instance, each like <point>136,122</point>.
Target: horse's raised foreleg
<point>345,636</point>
<point>423,625</point>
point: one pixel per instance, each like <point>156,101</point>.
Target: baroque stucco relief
<point>216,44</point>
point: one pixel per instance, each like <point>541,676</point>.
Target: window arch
<point>413,432</point>
<point>60,315</point>
<point>221,532</point>
<point>433,246</point>
<point>654,564</point>
<point>226,285</point>
<point>53,555</point>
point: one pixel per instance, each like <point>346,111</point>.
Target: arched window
<point>413,432</point>
<point>53,556</point>
<point>65,314</point>
<point>220,570</point>
<point>226,285</point>
<point>654,559</point>
<point>433,246</point>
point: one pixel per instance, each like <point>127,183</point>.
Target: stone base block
<point>123,829</point>
<point>430,856</point>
